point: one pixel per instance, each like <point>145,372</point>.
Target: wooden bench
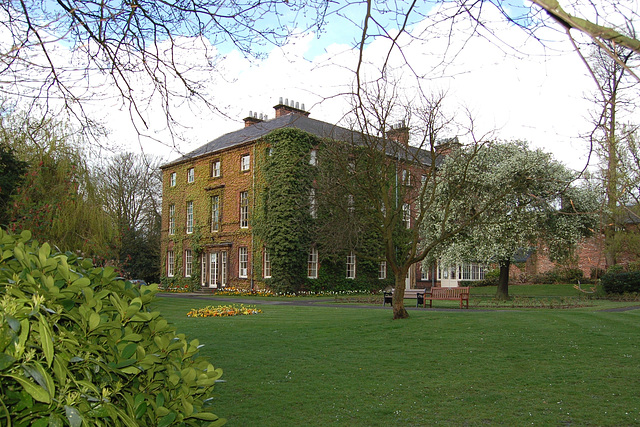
<point>418,294</point>
<point>447,294</point>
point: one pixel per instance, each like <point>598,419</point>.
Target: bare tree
<point>139,47</point>
<point>387,184</point>
<point>614,142</point>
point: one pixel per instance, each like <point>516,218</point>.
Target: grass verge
<point>313,366</point>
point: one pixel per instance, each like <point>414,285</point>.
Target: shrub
<point>79,346</point>
<point>620,283</point>
<point>560,275</point>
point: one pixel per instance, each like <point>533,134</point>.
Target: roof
<point>258,130</point>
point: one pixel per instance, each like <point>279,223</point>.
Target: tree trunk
<point>502,292</point>
<point>399,312</point>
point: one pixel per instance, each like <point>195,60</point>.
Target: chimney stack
<point>289,107</point>
<point>399,133</point>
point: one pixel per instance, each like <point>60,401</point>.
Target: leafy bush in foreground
<point>78,347</point>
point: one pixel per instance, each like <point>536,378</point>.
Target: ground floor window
<point>243,262</point>
<point>188,263</point>
<point>266,265</point>
<point>171,263</point>
<point>382,273</point>
<point>351,266</point>
<point>312,264</point>
<point>465,271</point>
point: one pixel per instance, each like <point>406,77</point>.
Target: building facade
<point>210,200</point>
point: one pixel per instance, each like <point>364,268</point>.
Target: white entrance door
<point>448,276</point>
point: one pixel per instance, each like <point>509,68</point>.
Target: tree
<point>12,172</point>
<point>129,186</point>
<point>130,46</point>
<point>615,144</point>
<point>389,181</point>
<point>139,48</point>
<point>57,200</point>
<point>544,207</point>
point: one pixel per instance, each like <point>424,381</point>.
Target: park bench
<point>447,294</point>
<point>418,294</point>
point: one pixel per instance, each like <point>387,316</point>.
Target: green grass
<point>563,290</point>
<point>317,366</point>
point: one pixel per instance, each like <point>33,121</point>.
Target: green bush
<point>79,346</point>
<point>560,275</point>
<point>620,283</point>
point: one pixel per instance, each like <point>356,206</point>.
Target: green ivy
<point>282,219</point>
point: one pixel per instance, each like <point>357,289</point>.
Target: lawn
<point>313,366</point>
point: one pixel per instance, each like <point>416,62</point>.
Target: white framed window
<point>266,264</point>
<point>406,177</point>
<point>223,268</point>
<point>313,205</point>
<point>213,269</point>
<point>312,264</point>
<point>245,162</point>
<point>215,169</point>
<point>215,213</point>
<point>351,266</point>
<point>190,217</point>
<point>424,273</point>
<point>171,263</point>
<point>243,262</point>
<point>313,158</point>
<point>269,151</point>
<point>382,271</point>
<point>244,209</point>
<point>406,215</point>
<point>191,175</point>
<point>203,269</point>
<point>172,219</point>
<point>172,179</point>
<point>188,263</point>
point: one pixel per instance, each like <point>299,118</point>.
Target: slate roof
<point>298,121</point>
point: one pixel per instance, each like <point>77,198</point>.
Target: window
<point>266,264</point>
<point>351,204</point>
<point>189,217</point>
<point>313,206</point>
<point>203,269</point>
<point>215,168</point>
<point>243,262</point>
<point>424,274</point>
<point>406,215</point>
<point>172,179</point>
<point>213,269</point>
<point>172,219</point>
<point>313,158</point>
<point>406,177</point>
<point>215,213</point>
<point>269,151</point>
<point>312,264</point>
<point>351,266</point>
<point>245,162</point>
<point>223,268</point>
<point>191,174</point>
<point>382,273</point>
<point>244,209</point>
<point>170,263</point>
<point>188,263</point>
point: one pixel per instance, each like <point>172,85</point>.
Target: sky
<point>513,86</point>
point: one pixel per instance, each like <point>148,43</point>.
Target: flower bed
<point>223,311</point>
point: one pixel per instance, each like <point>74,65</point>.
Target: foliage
<point>179,284</point>
<point>223,311</point>
<point>490,279</point>
<point>621,282</point>
<point>80,346</point>
<point>561,275</point>
<point>541,205</point>
<point>282,219</point>
<point>57,200</point>
<point>12,172</point>
<point>130,186</point>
